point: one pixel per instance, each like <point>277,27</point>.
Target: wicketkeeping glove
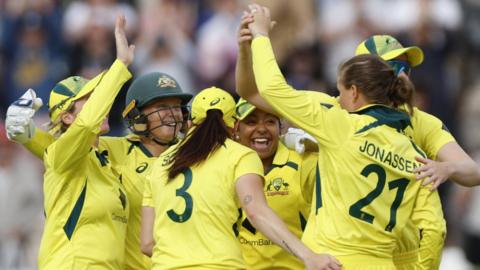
<point>19,123</point>
<point>297,138</point>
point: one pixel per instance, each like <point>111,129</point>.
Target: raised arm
<point>76,142</point>
<point>244,78</point>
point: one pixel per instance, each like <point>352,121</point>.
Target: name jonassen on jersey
<point>388,157</point>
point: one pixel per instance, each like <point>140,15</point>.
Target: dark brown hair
<point>377,81</point>
<point>207,137</point>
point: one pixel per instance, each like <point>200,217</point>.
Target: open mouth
<point>260,144</point>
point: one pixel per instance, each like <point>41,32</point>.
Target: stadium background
<point>44,41</point>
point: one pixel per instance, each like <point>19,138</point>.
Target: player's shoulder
<point>322,98</point>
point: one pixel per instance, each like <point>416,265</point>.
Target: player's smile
<point>260,144</point>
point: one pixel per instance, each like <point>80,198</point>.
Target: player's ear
<point>354,92</point>
<point>236,137</point>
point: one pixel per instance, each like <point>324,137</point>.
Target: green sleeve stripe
<point>318,190</point>
<point>69,227</point>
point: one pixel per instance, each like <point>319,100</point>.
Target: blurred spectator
<point>31,59</point>
<point>20,206</point>
<point>80,15</point>
<point>295,28</point>
<point>217,46</point>
<point>165,40</point>
<point>342,26</point>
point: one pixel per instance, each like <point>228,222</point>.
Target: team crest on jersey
<point>165,81</point>
<point>277,186</point>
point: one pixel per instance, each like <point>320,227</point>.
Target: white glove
<point>296,138</point>
<point>19,123</point>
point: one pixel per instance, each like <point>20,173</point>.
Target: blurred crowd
<point>44,41</point>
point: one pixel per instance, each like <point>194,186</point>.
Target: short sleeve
<point>248,163</point>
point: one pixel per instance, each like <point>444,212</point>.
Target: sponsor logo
<point>119,218</point>
<point>215,102</point>
<point>143,166</point>
<point>259,242</point>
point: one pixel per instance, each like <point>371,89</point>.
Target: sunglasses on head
<point>400,66</point>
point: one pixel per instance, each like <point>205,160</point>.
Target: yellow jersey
<point>133,160</point>
<point>288,188</point>
<point>86,206</point>
<point>421,243</point>
<point>367,190</point>
<point>196,213</point>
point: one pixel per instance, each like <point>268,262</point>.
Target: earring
<point>236,137</point>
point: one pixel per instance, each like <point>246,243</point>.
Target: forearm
<point>39,143</point>
<point>465,172</point>
<point>294,105</point>
<point>147,241</point>
<point>267,222</point>
<point>77,141</point>
<point>245,80</point>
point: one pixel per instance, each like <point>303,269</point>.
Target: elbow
<point>255,215</point>
<point>147,248</point>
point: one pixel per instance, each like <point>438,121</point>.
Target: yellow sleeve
<point>429,133</point>
<point>308,174</point>
<point>147,192</point>
<point>297,106</point>
<point>39,143</point>
<point>248,163</point>
<point>428,218</point>
<point>74,145</point>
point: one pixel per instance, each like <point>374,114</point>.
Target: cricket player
<point>289,181</point>
<point>360,84</point>
<point>86,207</point>
<point>194,192</point>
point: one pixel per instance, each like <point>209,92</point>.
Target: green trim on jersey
<point>385,116</point>
<point>75,214</point>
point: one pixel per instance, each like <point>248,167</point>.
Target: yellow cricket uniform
<point>429,133</point>
<point>196,214</point>
<point>288,189</point>
<point>367,190</point>
<point>86,206</point>
<point>133,160</point>
<point>130,157</point>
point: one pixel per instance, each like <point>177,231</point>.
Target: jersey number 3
<point>182,192</point>
<point>399,184</point>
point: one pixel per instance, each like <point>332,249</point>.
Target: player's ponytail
<point>207,137</point>
<point>401,92</point>
<point>377,81</point>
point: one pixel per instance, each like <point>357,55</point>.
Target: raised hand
<point>262,23</point>
<point>244,35</point>
<point>125,52</point>
<point>19,121</point>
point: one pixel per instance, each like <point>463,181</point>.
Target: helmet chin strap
<point>161,142</point>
